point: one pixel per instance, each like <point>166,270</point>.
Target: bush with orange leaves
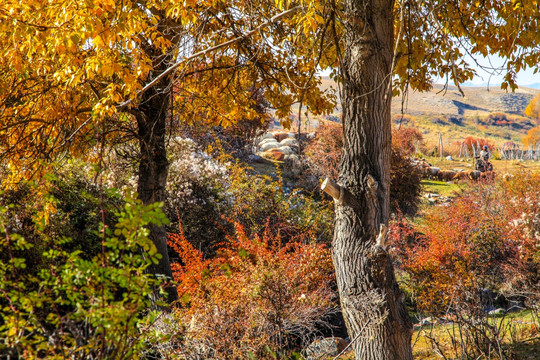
<point>324,152</point>
<point>255,297</point>
<point>473,144</point>
<point>488,239</point>
<point>406,140</point>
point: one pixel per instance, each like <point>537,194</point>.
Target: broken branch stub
<point>332,189</point>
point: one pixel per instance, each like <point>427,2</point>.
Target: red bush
<point>324,153</point>
<point>478,143</point>
<point>405,139</point>
<point>488,238</point>
<point>253,296</point>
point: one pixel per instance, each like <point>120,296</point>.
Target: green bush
<point>77,307</point>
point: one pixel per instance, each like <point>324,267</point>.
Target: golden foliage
<point>70,70</point>
<point>532,138</point>
<point>533,109</point>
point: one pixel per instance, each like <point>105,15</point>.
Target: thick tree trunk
<point>153,167</point>
<point>370,297</point>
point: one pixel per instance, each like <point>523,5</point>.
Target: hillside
<point>477,101</point>
<point>440,101</point>
<point>483,112</point>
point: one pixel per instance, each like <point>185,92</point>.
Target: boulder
<point>287,150</point>
<point>449,157</point>
<point>324,348</point>
<point>266,136</point>
<point>282,135</point>
<point>270,145</point>
<point>289,142</point>
<point>267,141</point>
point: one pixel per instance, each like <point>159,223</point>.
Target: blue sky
<point>524,77</point>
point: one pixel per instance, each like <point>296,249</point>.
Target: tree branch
<point>206,51</point>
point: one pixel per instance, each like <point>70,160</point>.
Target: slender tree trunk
<point>370,297</point>
<point>153,167</point>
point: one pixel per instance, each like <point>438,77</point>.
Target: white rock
<point>267,136</point>
<point>289,142</point>
<point>266,141</point>
<point>270,145</point>
<point>287,150</point>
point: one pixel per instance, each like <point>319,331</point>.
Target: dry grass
<point>524,339</point>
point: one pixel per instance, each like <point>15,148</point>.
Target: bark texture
<point>152,116</point>
<point>370,297</point>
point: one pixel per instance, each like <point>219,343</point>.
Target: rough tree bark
<point>151,117</point>
<point>370,297</point>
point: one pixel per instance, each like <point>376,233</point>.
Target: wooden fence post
<point>441,144</point>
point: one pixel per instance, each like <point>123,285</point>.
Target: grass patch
<point>442,188</point>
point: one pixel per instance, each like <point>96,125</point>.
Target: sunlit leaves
<point>68,69</point>
<point>433,37</point>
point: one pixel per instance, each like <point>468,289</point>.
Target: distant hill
<point>478,100</point>
<point>533,86</point>
<point>476,114</point>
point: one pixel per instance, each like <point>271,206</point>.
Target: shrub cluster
<point>256,296</point>
<point>76,304</point>
<point>206,188</point>
<point>487,239</point>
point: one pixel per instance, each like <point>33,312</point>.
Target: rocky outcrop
<point>277,146</point>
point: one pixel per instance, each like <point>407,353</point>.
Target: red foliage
<point>254,294</point>
<point>478,143</point>
<point>405,139</point>
<point>324,152</point>
<point>487,238</point>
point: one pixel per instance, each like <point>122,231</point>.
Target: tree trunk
<point>371,300</point>
<point>153,167</point>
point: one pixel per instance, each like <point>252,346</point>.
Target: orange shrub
<point>405,139</point>
<point>532,138</point>
<point>324,153</point>
<point>254,296</point>
<point>469,142</point>
<point>488,238</point>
